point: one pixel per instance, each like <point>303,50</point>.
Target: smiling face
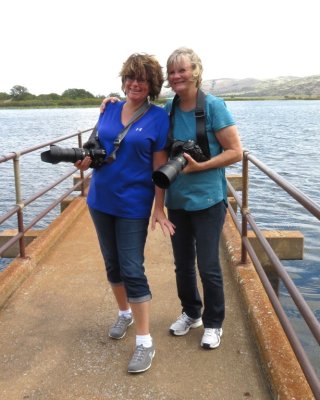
<point>141,76</point>
<point>136,89</point>
<point>180,75</point>
<point>184,71</point>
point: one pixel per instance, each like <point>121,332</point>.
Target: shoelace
<point>139,353</point>
<point>184,318</point>
<point>211,332</point>
<point>121,322</point>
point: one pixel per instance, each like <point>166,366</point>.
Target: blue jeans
<point>122,242</point>
<point>197,236</point>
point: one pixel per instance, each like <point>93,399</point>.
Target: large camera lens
<point>57,154</point>
<point>166,174</point>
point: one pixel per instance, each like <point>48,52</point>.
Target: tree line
<point>20,96</point>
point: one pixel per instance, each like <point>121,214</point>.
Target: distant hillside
<point>284,86</point>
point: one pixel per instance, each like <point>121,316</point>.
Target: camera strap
<point>139,113</point>
<point>202,138</point>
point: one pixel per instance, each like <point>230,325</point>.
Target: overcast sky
<point>51,46</point>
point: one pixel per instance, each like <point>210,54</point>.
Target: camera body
<point>92,148</point>
<point>166,174</point>
<point>190,147</point>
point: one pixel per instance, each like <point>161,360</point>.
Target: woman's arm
<point>158,215</point>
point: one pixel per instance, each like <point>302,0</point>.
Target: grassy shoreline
<point>90,103</point>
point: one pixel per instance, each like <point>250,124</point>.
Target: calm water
<point>283,134</point>
<point>21,129</point>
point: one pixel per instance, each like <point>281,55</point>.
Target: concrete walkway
<point>53,340</point>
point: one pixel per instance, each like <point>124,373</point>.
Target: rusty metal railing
<point>247,248</point>
<point>21,203</point>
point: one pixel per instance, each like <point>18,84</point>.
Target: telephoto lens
<point>93,150</point>
<point>166,174</point>
<point>57,154</point>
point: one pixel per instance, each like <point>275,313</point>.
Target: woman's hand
<point>84,164</point>
<point>160,217</point>
<point>106,101</point>
<point>229,140</point>
<point>192,166</point>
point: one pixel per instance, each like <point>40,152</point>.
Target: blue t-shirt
<point>125,188</point>
<point>200,190</point>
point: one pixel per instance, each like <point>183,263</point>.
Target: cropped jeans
<point>197,237</point>
<point>122,242</point>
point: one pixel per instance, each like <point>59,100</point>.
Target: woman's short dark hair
<point>143,66</point>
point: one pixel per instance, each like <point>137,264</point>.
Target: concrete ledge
<point>278,359</point>
<point>236,182</point>
<point>66,202</point>
<point>288,245</point>
<point>77,178</point>
<point>29,236</point>
<point>13,251</point>
<point>20,268</point>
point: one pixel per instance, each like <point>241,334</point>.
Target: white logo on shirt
<point>139,129</point>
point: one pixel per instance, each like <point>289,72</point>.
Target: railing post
<point>244,209</point>
<point>81,172</point>
<point>17,182</point>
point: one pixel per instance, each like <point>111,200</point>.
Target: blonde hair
<point>143,66</point>
<point>194,60</point>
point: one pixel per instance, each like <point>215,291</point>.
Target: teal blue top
<point>200,190</point>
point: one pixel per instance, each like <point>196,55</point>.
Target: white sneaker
<point>183,325</point>
<point>211,338</point>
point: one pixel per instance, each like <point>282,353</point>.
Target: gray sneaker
<point>119,329</point>
<point>141,359</point>
<point>183,325</point>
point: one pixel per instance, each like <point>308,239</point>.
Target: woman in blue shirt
<point>197,200</point>
<point>121,195</point>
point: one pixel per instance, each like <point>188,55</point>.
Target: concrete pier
<point>53,328</point>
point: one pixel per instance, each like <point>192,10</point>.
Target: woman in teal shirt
<point>197,200</point>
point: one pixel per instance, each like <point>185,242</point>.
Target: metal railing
<point>21,203</point>
<point>247,248</point>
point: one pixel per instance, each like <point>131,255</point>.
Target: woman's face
<point>180,75</point>
<point>136,89</point>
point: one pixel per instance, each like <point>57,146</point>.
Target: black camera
<point>168,172</point>
<point>91,148</point>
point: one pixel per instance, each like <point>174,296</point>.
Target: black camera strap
<point>202,138</point>
<point>94,133</point>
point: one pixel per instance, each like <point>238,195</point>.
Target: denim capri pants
<point>122,242</point>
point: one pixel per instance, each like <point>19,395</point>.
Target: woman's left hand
<point>160,217</point>
<point>106,101</point>
<point>192,166</point>
<point>84,164</point>
<point>229,140</point>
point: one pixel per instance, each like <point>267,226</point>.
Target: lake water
<point>284,135</point>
